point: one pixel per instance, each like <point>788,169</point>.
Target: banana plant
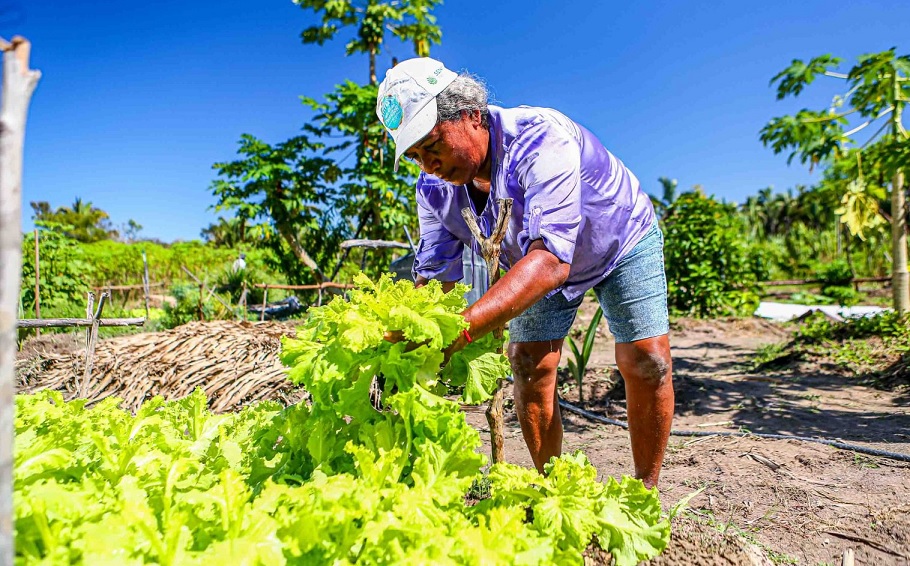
<point>579,365</point>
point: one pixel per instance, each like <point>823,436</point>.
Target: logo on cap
<point>391,112</point>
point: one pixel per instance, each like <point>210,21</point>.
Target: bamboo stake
<point>490,248</point>
<point>18,85</point>
<point>265,298</point>
<point>37,282</point>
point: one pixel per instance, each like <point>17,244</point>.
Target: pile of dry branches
<point>236,363</point>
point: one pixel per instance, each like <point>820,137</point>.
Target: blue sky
<point>139,99</point>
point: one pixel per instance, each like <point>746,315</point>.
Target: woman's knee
<point>646,361</point>
<point>534,361</point>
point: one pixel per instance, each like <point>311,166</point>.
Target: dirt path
<point>764,501</point>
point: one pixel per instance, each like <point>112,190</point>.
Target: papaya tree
<point>877,90</point>
<point>378,201</point>
<point>334,182</point>
<point>286,193</point>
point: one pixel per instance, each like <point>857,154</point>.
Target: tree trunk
<point>301,253</point>
<point>373,80</point>
<point>18,85</point>
<point>899,275</point>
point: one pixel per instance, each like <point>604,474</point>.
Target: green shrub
<point>837,282</point>
<point>186,308</point>
<point>710,270</point>
<point>64,276</point>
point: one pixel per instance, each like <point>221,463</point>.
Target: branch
<point>869,121</point>
<point>875,135</point>
<point>829,117</point>
<point>836,75</point>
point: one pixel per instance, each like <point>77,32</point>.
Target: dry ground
<point>764,501</point>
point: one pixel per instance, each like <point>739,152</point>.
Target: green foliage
<point>331,482</point>
<point>837,282</point>
<point>800,74</point>
<point>709,269</point>
<point>304,193</point>
<point>376,202</point>
<point>81,221</point>
<point>409,20</point>
<point>65,274</point>
<point>121,263</point>
<point>288,193</point>
<point>861,346</point>
<point>878,81</point>
<point>186,307</point>
<point>578,364</point>
<point>226,233</point>
<point>878,90</point>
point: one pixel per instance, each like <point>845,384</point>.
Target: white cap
<point>406,103</point>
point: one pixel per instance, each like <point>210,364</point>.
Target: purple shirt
<point>568,191</point>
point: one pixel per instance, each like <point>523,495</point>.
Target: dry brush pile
<point>235,363</point>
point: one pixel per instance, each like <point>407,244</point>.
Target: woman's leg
<point>534,367</point>
<point>646,368</point>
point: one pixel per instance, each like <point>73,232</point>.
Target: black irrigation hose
<point>836,444</point>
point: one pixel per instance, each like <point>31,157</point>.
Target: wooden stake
<point>265,298</point>
<point>490,248</point>
<point>37,282</point>
<point>200,313</point>
<point>145,282</point>
<point>202,288</point>
<point>92,333</point>
<point>848,559</point>
<point>18,85</point>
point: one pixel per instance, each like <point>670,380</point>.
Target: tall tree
<point>82,221</point>
<point>408,20</point>
<point>287,192</point>
<point>378,202</point>
<point>878,89</point>
<point>335,181</point>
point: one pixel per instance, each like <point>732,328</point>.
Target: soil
<point>764,501</point>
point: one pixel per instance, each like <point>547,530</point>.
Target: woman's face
<point>453,151</point>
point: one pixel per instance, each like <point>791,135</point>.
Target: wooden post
<point>90,348</point>
<point>37,282</point>
<point>490,248</point>
<point>200,313</point>
<point>265,298</point>
<point>18,85</point>
<point>89,313</point>
<point>145,282</point>
<point>203,287</point>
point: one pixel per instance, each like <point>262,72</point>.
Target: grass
<point>724,527</point>
<point>864,346</point>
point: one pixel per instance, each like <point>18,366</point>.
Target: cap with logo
<point>406,103</point>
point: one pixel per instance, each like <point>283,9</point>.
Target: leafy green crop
<point>332,481</point>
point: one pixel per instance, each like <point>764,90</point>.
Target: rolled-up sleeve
<point>439,252</point>
<point>548,164</point>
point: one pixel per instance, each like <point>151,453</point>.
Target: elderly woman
<point>579,221</point>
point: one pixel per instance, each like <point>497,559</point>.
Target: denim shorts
<point>633,297</point>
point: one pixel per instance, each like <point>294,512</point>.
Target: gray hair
<point>467,93</point>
